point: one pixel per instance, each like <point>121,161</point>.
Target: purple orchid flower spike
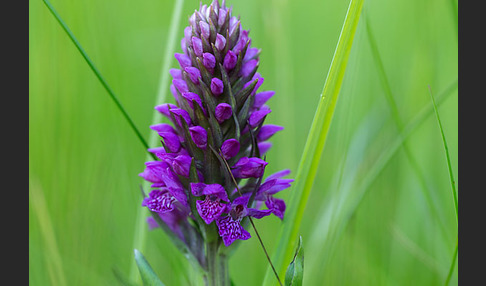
<point>212,153</point>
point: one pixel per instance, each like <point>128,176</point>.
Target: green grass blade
<point>140,224</point>
<point>148,275</point>
<point>453,184</point>
<point>451,174</point>
<point>110,91</point>
<point>315,144</point>
<point>451,269</point>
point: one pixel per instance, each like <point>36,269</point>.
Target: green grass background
<point>84,159</point>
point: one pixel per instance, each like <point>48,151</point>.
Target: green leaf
<point>149,277</point>
<point>295,271</point>
<point>316,140</point>
<point>453,184</point>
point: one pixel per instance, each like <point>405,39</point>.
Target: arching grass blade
<point>315,143</point>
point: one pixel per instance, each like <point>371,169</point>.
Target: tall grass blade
<point>451,174</point>
<point>315,143</point>
<point>148,275</point>
<point>110,91</point>
<point>451,269</point>
<point>140,225</point>
<point>453,184</point>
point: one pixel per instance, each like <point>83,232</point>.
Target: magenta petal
<point>174,92</point>
<point>164,109</point>
<point>268,131</point>
<point>194,74</point>
<point>230,60</point>
<point>257,117</point>
<point>190,97</point>
<point>241,42</point>
<point>162,127</point>
<point>222,16</point>
<point>181,165</point>
<point>258,213</point>
<point>263,147</point>
<point>197,189</point>
<point>216,190</point>
<point>159,201</point>
<point>222,112</point>
<point>220,42</point>
<point>260,81</point>
<point>248,67</point>
<point>204,29</point>
<point>188,34</point>
<point>199,135</point>
<point>153,171</point>
<point>250,53</point>
<point>209,61</point>
<point>209,210</point>
<point>157,151</point>
<point>217,86</point>
<point>262,97</point>
<point>197,46</point>
<point>278,174</point>
<point>177,112</point>
<point>152,223</point>
<point>274,186</point>
<point>180,85</point>
<point>249,168</point>
<point>174,185</point>
<point>230,148</point>
<point>176,73</point>
<point>171,140</point>
<point>184,60</point>
<point>231,230</point>
<point>276,206</point>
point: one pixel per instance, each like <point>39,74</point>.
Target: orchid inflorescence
<point>209,174</point>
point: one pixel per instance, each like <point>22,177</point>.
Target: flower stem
<point>217,274</point>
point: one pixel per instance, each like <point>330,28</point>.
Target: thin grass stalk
<point>453,184</point>
<point>315,144</point>
<point>399,123</point>
<point>451,269</point>
<point>449,165</point>
<point>140,224</point>
<point>110,91</point>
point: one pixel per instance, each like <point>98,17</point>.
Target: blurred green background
<point>381,210</point>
